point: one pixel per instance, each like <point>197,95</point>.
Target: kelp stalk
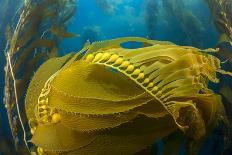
<point>16,100</point>
<point>7,88</point>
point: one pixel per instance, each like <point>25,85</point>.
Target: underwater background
<point>183,22</point>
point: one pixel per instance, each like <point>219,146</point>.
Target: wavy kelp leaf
<point>86,82</point>
<point>110,44</point>
<point>37,83</point>
<point>211,105</point>
<point>78,122</point>
<point>129,138</point>
<point>95,106</point>
<point>98,122</point>
<point>55,137</point>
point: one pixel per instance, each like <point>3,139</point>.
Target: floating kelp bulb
<point>44,118</point>
<point>159,93</point>
<point>155,88</point>
<point>125,64</point>
<point>97,57</point>
<point>146,81</point>
<point>46,101</point>
<point>33,130</point>
<point>43,101</point>
<point>43,107</point>
<point>151,84</point>
<point>44,112</point>
<point>40,151</point>
<point>141,76</point>
<point>105,56</point>
<point>118,61</point>
<point>89,57</point>
<point>56,118</point>
<point>130,68</point>
<point>136,72</point>
<point>113,58</point>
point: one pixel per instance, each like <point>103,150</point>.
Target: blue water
<point>120,18</point>
<point>127,18</point>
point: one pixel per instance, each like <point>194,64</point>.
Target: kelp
<point>153,91</point>
<point>182,20</point>
<point>222,15</point>
<point>30,42</point>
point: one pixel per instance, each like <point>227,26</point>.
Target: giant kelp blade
<point>94,122</point>
<point>107,85</point>
<point>55,137</point>
<point>37,83</point>
<point>88,92</point>
<point>95,106</point>
<point>129,138</point>
<point>88,123</point>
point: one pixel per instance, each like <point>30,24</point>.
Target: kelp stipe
<point>30,42</point>
<point>79,106</point>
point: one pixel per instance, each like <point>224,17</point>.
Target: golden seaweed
<point>156,90</point>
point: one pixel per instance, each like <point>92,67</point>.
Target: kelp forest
<point>172,95</point>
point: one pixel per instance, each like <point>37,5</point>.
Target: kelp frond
<point>222,15</point>
<point>123,98</point>
<point>30,42</point>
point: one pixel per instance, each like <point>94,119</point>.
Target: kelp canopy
<point>107,99</point>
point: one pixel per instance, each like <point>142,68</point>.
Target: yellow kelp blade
<point>128,138</point>
<point>55,137</point>
<point>84,76</point>
<point>38,81</point>
<point>94,106</point>
<point>93,89</point>
<point>102,122</point>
